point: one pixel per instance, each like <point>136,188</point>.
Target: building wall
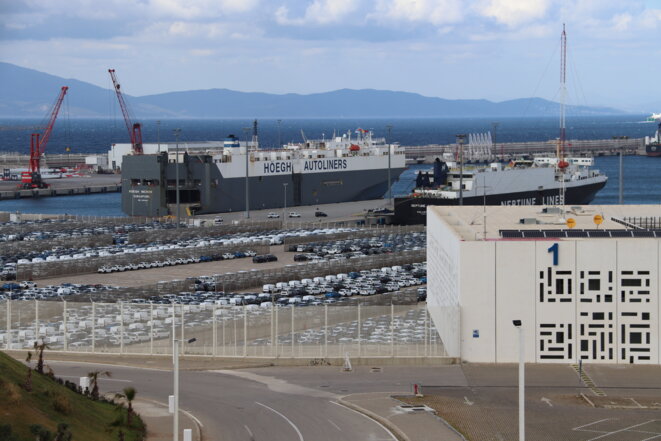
<point>443,280</point>
<point>599,303</point>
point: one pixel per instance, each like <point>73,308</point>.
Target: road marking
<point>252,437</point>
<point>193,417</point>
<point>100,379</point>
<point>590,424</point>
<point>466,401</point>
<point>547,401</point>
<point>621,430</point>
<point>298,432</point>
<point>335,425</point>
<point>365,416</point>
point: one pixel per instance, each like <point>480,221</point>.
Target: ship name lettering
<point>325,164</point>
<point>277,167</point>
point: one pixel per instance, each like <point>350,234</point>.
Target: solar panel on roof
<point>620,233</point>
<point>533,233</point>
<point>510,233</point>
<point>599,233</point>
<point>555,233</point>
<point>576,233</point>
<point>642,233</point>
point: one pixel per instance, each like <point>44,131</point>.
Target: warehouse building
<point>584,282</point>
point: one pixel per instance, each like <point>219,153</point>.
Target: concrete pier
<point>509,150</point>
<point>63,187</point>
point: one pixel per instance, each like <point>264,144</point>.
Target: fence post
<point>151,329</point>
<point>214,334</point>
<point>64,325</point>
<point>174,326</point>
<point>293,306</point>
<point>276,333</point>
<point>8,345</point>
<point>272,328</point>
<point>245,330</point>
<point>392,329</point>
<point>325,330</point>
<point>93,327</point>
<point>182,346</point>
<point>36,319</point>
<point>359,333</point>
<point>121,327</point>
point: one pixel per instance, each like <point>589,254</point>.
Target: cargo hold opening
<point>185,196</point>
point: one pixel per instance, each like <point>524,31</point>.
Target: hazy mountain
<point>30,93</point>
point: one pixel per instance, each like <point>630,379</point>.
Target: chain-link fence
<point>323,331</point>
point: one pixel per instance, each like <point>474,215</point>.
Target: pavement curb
<point>401,436</point>
<point>198,427</point>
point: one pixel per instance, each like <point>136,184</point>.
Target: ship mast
<point>562,164</point>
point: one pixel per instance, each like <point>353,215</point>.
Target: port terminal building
<point>584,281</point>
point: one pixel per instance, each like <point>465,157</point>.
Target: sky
<point>454,49</point>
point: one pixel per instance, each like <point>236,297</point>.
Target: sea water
<point>642,182</point>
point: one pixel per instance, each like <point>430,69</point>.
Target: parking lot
<point>485,406</point>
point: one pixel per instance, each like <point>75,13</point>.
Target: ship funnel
<point>440,173</point>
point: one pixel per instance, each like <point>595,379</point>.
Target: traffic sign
<point>571,223</point>
<point>598,219</point>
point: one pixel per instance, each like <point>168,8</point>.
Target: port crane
<point>32,177</point>
<point>135,129</point>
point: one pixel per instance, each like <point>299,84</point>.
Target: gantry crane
<point>135,129</point>
<point>32,178</point>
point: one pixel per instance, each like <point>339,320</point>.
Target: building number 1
<point>554,249</point>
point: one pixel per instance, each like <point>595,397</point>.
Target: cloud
<point>318,12</point>
<point>436,12</point>
<point>513,12</point>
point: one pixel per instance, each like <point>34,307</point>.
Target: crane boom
<point>38,143</point>
<point>135,129</point>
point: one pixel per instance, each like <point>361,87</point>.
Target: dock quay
<point>511,150</point>
<point>58,160</point>
<point>78,185</point>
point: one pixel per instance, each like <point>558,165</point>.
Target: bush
<point>11,391</point>
<point>61,404</point>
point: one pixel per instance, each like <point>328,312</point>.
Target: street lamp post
<point>389,127</point>
<point>495,145</point>
<point>158,135</point>
<point>246,130</point>
<point>279,139</point>
<point>175,435</point>
<point>284,198</point>
<point>176,168</point>
<point>460,141</point>
<point>522,421</point>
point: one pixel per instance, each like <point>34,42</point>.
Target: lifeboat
<point>354,148</point>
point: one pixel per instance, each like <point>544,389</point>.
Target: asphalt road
<point>247,406</point>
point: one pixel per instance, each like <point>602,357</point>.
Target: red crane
<point>135,129</point>
<point>32,178</point>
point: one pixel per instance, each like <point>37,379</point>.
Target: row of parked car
<point>177,261</point>
<point>119,232</point>
<point>273,237</point>
<point>30,291</point>
<point>328,289</point>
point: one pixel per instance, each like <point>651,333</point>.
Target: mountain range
<point>30,93</point>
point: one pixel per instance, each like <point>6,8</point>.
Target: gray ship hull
<point>148,187</point>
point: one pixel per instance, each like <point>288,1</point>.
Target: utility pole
<point>279,139</point>
<point>176,172</point>
<point>460,141</point>
<point>158,135</point>
<point>495,144</point>
<point>621,192</point>
<point>246,131</point>
<point>388,141</point>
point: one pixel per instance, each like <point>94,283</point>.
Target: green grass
<point>88,420</point>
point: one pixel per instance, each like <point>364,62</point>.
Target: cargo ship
<point>526,182</point>
<point>235,175</point>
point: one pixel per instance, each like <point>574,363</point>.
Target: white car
<point>273,215</point>
<point>294,214</point>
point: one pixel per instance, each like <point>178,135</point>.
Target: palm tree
<point>129,396</point>
<point>28,379</point>
<point>94,379</point>
<point>40,351</point>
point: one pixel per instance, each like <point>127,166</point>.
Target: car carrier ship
<point>525,182</point>
<point>235,175</point>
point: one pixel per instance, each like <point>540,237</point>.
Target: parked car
<point>273,215</point>
<point>294,214</point>
<point>320,214</point>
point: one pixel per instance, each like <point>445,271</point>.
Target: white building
<point>594,298</point>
